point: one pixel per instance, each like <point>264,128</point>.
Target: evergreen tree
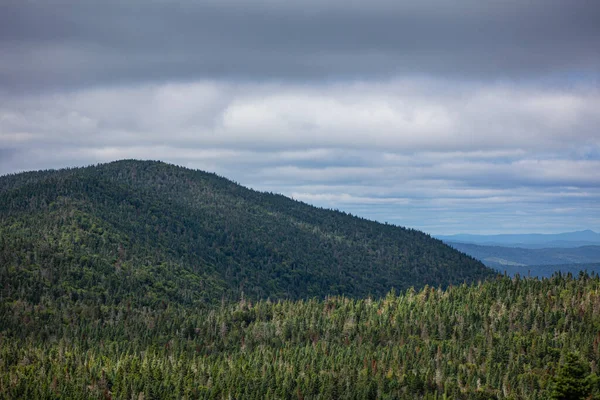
<point>572,381</point>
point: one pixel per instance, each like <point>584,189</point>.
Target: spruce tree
<point>572,381</point>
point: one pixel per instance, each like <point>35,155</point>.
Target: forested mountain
<point>145,280</point>
<point>155,233</point>
<point>501,339</point>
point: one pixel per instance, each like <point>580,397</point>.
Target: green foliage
<point>150,233</point>
<point>502,339</point>
<point>573,381</point>
<point>145,280</point>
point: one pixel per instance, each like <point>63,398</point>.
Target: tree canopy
<point>502,339</point>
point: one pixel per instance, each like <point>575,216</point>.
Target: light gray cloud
<point>398,116</point>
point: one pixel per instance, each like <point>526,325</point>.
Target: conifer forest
<point>142,280</point>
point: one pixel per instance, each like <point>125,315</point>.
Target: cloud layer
<point>68,43</point>
<point>430,154</point>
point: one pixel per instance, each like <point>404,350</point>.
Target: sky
<point>444,116</point>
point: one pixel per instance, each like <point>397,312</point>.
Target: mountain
<point>154,233</point>
<point>532,240</point>
<point>500,257</point>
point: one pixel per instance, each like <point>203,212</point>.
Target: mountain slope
<point>153,232</point>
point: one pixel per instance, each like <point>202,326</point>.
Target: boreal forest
<point>144,280</point>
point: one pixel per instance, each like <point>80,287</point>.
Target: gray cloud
<point>60,43</point>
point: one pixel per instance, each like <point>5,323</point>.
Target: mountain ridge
<point>170,233</point>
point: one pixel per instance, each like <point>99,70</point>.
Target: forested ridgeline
<point>504,338</point>
<point>150,232</point>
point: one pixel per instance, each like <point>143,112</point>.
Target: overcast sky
<point>446,116</point>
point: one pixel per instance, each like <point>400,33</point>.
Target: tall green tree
<point>572,381</point>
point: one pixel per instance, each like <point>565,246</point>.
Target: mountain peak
<point>191,236</point>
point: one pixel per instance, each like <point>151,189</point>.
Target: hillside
<point>151,233</point>
<point>502,339</point>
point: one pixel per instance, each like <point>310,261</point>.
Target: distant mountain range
<point>533,254</point>
<point>546,271</point>
<point>530,240</point>
<point>516,256</point>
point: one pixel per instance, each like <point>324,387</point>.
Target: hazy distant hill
<point>153,232</point>
<point>534,240</point>
<point>500,257</point>
<point>546,271</point>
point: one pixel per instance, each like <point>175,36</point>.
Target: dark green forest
<point>507,338</point>
<point>150,232</point>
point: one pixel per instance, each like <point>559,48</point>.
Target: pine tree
<point>572,382</point>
